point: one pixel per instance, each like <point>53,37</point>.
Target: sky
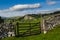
<point>10,8</point>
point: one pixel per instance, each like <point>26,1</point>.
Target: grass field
<point>53,34</point>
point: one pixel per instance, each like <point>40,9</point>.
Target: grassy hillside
<point>53,34</point>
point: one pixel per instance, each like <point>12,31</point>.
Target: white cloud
<point>51,2</point>
<point>22,13</point>
<point>58,9</point>
<point>21,6</point>
<point>24,6</point>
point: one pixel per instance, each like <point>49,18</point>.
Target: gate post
<point>43,25</point>
<point>17,29</point>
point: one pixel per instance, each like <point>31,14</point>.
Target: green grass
<point>53,34</point>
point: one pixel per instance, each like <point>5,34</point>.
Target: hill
<point>33,18</point>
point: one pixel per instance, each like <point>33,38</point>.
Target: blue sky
<point>43,5</point>
<point>8,3</point>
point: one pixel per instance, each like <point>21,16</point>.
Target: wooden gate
<point>26,29</point>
